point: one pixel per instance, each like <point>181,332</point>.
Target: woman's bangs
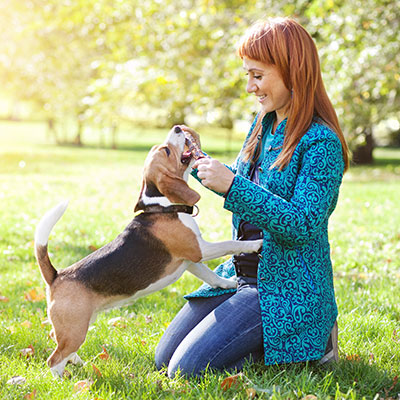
<point>255,45</point>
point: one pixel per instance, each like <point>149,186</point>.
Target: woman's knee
<point>163,354</point>
<point>184,365</point>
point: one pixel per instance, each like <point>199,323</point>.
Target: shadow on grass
<point>348,375</point>
<point>345,380</point>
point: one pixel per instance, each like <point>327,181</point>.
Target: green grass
<point>102,186</point>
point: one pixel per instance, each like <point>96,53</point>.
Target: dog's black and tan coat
<point>152,252</point>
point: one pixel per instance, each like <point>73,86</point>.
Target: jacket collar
<point>269,119</point>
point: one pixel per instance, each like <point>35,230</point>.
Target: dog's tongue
<point>193,148</point>
<point>186,155</point>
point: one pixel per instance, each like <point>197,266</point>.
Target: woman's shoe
<point>331,351</point>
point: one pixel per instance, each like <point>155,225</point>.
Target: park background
<point>87,87</point>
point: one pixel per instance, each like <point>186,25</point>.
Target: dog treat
<point>193,147</point>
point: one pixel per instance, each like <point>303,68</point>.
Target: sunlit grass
<point>102,186</point>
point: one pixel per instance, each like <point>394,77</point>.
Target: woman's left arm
<point>294,221</point>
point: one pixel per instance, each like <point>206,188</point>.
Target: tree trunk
<point>51,130</point>
<point>78,137</point>
<point>362,154</point>
<point>114,132</point>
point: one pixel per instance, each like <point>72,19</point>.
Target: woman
<point>283,187</point>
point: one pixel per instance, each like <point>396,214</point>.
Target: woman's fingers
<point>213,174</point>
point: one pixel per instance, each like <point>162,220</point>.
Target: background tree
<point>102,62</point>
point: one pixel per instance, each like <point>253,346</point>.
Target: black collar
<point>176,208</point>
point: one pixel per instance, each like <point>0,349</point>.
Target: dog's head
<point>166,171</point>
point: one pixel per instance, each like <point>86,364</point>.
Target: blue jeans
<point>221,332</point>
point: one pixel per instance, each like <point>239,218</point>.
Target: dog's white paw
<point>225,283</point>
<point>254,246</point>
<point>75,359</point>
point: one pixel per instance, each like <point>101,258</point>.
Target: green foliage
<point>105,61</point>
<point>102,186</point>
<point>360,47</point>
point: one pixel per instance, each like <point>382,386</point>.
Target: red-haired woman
<point>283,188</point>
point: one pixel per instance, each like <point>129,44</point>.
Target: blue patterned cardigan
<point>292,206</point>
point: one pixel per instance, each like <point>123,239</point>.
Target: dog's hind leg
<point>68,342</point>
<point>75,359</point>
<point>70,318</point>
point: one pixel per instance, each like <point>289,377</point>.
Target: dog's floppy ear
<point>176,189</point>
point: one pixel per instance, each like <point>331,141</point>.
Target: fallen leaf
<point>118,322</point>
<point>28,352</point>
<point>251,393</point>
<point>353,357</point>
<point>4,299</point>
<point>16,380</point>
<point>93,247</point>
<point>31,395</point>
<point>104,355</point>
<point>67,374</point>
<point>143,342</point>
<point>82,386</point>
<point>394,383</point>
<point>97,371</point>
<point>310,397</point>
<point>371,358</point>
<point>33,295</point>
<point>26,324</point>
<point>229,381</point>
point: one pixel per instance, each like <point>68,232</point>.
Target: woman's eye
<point>257,77</point>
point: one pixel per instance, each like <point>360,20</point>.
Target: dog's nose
<point>177,129</point>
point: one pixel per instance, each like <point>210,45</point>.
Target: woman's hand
<point>213,174</point>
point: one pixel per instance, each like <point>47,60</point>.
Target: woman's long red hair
<point>285,44</point>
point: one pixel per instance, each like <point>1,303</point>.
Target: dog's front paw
<point>225,283</point>
<point>255,245</point>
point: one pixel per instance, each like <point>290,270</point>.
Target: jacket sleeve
<point>297,220</point>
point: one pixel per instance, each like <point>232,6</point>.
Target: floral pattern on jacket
<point>292,207</point>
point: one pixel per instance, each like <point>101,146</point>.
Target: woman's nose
<point>251,86</point>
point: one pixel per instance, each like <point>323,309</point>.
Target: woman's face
<point>266,83</point>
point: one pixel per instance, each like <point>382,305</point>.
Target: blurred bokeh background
<point>99,67</point>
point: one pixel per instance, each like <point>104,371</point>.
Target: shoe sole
<point>333,355</point>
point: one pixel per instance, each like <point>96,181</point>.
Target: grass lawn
<point>102,186</point>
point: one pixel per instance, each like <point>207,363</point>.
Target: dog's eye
<point>167,150</point>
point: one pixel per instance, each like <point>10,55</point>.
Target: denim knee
<point>162,356</point>
<point>185,366</point>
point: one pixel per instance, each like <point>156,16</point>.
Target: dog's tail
<point>42,234</point>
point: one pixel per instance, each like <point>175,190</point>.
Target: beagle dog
<point>153,251</point>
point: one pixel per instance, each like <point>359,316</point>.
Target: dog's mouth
<point>193,150</point>
<point>187,155</point>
